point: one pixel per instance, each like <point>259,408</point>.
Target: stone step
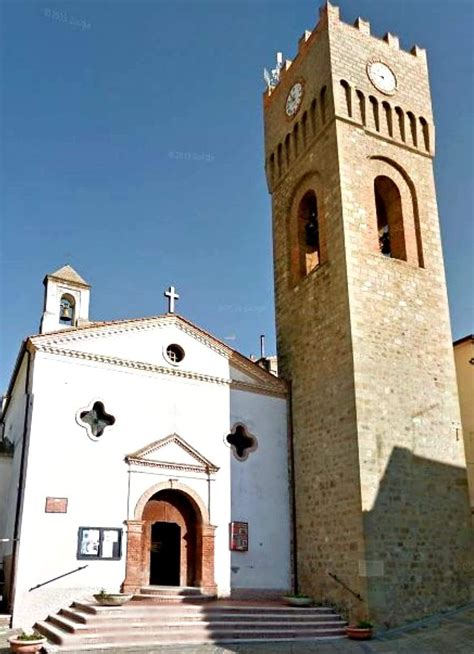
<point>54,634</point>
<point>172,599</point>
<point>122,612</point>
<point>158,617</point>
<point>171,590</point>
<point>173,635</point>
<point>163,626</point>
<point>123,646</point>
<point>76,615</point>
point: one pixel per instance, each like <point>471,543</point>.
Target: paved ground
<point>450,634</point>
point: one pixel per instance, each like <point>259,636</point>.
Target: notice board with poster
<point>239,536</point>
<point>101,543</point>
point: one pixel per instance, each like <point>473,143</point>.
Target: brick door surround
<point>171,502</point>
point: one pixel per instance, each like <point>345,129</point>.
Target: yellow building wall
<point>464,360</point>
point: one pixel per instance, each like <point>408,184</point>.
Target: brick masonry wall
<point>380,480</point>
<point>314,346</point>
<point>413,478</point>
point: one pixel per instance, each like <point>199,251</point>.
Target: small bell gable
<point>66,300</point>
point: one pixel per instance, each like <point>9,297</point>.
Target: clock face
<point>293,101</point>
<point>382,77</point>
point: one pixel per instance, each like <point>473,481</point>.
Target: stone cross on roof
<point>172,296</point>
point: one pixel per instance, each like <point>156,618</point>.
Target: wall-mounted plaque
<point>56,505</point>
<point>239,536</point>
<point>101,543</point>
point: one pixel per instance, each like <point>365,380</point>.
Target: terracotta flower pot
<point>359,633</point>
<point>26,646</point>
<point>112,599</point>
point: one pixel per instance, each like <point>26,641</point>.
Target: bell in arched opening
<point>66,310</point>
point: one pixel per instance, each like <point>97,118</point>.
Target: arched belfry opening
<point>388,206</point>
<point>67,310</point>
<point>170,543</point>
<point>308,233</point>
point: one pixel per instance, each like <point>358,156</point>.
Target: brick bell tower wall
<point>380,477</point>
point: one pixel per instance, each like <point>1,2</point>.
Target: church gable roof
<point>171,452</point>
<point>85,340</point>
<point>68,274</point>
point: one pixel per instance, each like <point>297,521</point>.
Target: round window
<point>175,353</point>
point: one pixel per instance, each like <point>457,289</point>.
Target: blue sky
<point>132,148</point>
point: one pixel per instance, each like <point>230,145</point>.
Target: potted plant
<point>27,642</point>
<point>361,631</point>
<point>298,599</point>
<point>111,599</point>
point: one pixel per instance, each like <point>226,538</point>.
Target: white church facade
<point>145,452</point>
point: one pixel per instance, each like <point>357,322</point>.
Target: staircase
<point>167,616</point>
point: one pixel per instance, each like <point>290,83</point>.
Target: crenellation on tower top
<point>329,10</point>
<point>304,38</point>
<point>332,12</point>
<point>329,19</point>
<point>362,25</point>
<point>418,52</point>
<point>392,40</point>
<point>286,66</point>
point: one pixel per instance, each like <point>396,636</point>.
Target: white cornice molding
<point>237,360</point>
<point>97,330</point>
<point>275,389</point>
<point>165,465</point>
<point>134,365</point>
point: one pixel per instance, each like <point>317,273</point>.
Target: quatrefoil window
<point>241,441</point>
<point>95,419</point>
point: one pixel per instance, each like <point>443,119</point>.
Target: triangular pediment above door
<point>173,453</point>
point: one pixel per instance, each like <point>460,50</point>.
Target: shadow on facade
<point>419,544</point>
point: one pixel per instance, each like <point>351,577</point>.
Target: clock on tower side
<point>363,330</point>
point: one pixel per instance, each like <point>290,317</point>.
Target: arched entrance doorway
<point>171,528</point>
<point>170,543</point>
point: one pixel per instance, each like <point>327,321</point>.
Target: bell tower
<point>66,300</point>
<point>382,513</point>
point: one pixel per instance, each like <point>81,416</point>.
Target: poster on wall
<point>101,543</point>
<point>239,536</point>
<point>89,542</point>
